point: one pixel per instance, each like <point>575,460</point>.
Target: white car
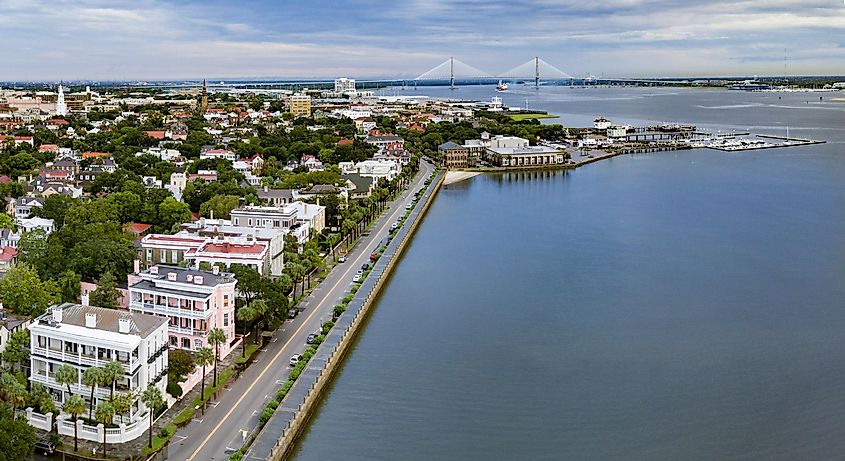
<point>295,359</point>
<point>394,226</point>
<point>357,278</point>
<point>409,206</point>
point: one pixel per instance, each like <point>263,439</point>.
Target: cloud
<point>149,39</point>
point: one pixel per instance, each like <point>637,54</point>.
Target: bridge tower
<point>452,73</point>
<point>536,72</point>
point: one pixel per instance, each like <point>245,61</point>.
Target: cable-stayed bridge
<point>453,69</point>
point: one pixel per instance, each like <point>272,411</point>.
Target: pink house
<point>194,302</point>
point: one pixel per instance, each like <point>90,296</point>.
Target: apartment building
<point>190,302</point>
<point>86,336</point>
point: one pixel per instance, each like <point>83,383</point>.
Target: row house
<point>190,302</point>
<point>87,336</point>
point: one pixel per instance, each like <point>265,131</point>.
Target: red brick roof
<point>156,134</point>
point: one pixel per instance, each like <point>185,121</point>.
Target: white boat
<point>501,86</point>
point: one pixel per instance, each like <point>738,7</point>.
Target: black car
<point>365,266</point>
<point>45,446</point>
<point>293,313</point>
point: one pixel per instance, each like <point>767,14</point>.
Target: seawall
<point>277,438</point>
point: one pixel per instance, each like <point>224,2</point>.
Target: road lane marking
<point>278,354</point>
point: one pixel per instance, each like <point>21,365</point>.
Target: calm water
<point>684,305</point>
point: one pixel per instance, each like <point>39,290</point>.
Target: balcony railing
<point>102,392</point>
<point>168,310</point>
<point>82,359</point>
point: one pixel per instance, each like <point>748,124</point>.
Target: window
<point>226,319</point>
<point>186,343</point>
<point>249,222</point>
<point>197,343</point>
<point>174,341</point>
<point>174,256</point>
<point>149,254</point>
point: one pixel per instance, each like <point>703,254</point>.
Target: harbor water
<point>676,305</point>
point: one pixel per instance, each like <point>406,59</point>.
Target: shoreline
<point>456,176</point>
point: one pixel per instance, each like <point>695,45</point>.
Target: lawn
<point>520,117</point>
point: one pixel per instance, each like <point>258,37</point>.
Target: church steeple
<point>204,98</point>
<point>61,106</point>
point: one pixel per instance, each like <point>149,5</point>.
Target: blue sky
<point>149,39</point>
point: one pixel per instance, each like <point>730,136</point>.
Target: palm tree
<point>92,377</point>
<point>74,406</point>
<point>123,403</point>
<point>248,316</point>
<point>153,399</point>
<point>112,372</point>
<point>203,357</point>
<point>105,415</point>
<point>16,395</point>
<point>67,375</point>
<point>216,337</point>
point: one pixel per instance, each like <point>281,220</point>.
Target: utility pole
<point>536,72</point>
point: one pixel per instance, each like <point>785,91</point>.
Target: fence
<point>65,426</point>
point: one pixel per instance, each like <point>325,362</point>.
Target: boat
<point>501,86</point>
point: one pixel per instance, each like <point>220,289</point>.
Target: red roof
<point>48,148</point>
<point>156,134</point>
<point>344,142</point>
<point>5,179</point>
<point>23,138</point>
<point>138,228</point>
<point>95,154</point>
<point>57,121</point>
<point>7,253</point>
<point>254,248</point>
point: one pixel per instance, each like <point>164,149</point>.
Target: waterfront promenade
<point>234,415</point>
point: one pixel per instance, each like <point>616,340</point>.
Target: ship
<point>502,86</point>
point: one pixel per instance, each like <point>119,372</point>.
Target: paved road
<point>235,413</point>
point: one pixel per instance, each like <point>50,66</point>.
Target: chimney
<point>123,326</point>
<point>171,276</point>
<point>215,270</point>
<point>266,189</point>
<point>198,280</point>
<point>91,320</point>
<point>136,266</point>
<point>57,315</point>
<point>154,270</point>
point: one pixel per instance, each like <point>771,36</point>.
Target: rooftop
<point>183,275</point>
<point>107,319</point>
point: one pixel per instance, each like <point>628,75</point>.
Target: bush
<point>339,309</point>
<point>265,416</point>
<point>184,417</point>
<point>174,389</point>
<point>273,405</point>
<point>164,432</point>
<point>348,298</point>
<point>327,326</point>
<point>237,455</point>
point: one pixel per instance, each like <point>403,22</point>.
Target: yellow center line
<point>278,354</point>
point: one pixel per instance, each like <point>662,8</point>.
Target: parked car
<point>45,447</point>
<point>293,313</point>
<point>409,206</point>
<point>312,338</point>
<point>341,259</point>
<point>394,226</point>
<point>360,272</point>
<point>357,278</point>
<point>364,267</point>
<point>294,359</point>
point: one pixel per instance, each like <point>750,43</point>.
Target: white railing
<point>65,425</point>
<point>169,310</point>
<point>102,392</point>
<point>80,358</point>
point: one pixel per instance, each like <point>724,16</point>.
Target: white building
<point>372,168</point>
<point>601,123</point>
<point>61,106</point>
<point>30,224</point>
<point>84,337</point>
<point>217,154</point>
<point>343,85</point>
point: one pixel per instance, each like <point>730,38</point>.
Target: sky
<point>189,39</point>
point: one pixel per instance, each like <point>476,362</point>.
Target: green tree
<point>105,415</point>
<point>74,406</point>
<point>69,286</point>
<point>204,357</point>
<point>216,337</point>
<point>106,294</point>
<point>92,377</point>
<point>153,399</point>
<point>128,205</point>
<point>67,375</point>
<point>112,373</point>
<point>220,206</point>
<point>24,293</point>
<point>14,392</point>
<point>17,439</point>
<point>6,222</point>
<point>16,353</point>
<point>123,402</point>
<point>171,212</point>
<point>179,364</point>
<point>32,249</point>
